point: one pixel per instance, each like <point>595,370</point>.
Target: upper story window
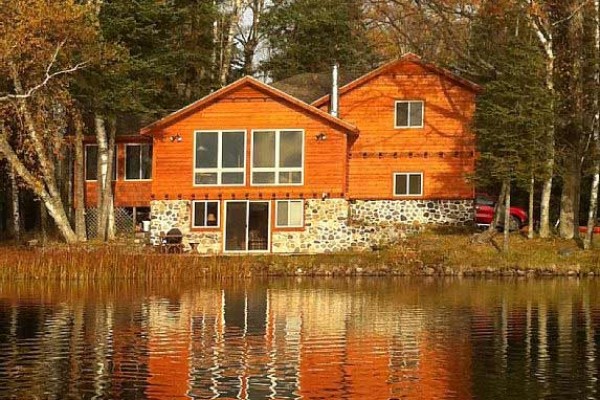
<point>408,184</point>
<point>278,157</point>
<point>409,114</point>
<point>220,158</point>
<point>91,163</point>
<point>138,162</point>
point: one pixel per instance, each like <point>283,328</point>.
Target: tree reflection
<point>289,339</point>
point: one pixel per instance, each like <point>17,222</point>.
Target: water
<point>302,338</point>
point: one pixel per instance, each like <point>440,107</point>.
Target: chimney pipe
<point>334,91</point>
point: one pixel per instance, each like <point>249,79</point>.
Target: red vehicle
<point>484,213</point>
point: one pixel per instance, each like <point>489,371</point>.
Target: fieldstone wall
<point>440,212</point>
<point>338,225</point>
<point>331,225</point>
<point>168,214</point>
<point>326,229</point>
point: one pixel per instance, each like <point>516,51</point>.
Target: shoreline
<point>441,252</point>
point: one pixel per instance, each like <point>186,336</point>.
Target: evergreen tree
<point>310,35</point>
<point>514,112</point>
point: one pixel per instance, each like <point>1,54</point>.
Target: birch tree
<point>231,12</point>
<point>539,22</point>
<point>40,49</point>
<point>594,124</point>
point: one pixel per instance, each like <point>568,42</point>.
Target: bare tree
<point>231,13</point>
<point>249,36</point>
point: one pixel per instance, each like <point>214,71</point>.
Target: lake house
<point>255,168</point>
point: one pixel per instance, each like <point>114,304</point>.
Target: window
<point>205,214</point>
<point>277,157</point>
<point>290,213</point>
<point>409,114</point>
<point>220,158</point>
<point>91,162</point>
<point>138,161</point>
<point>408,184</point>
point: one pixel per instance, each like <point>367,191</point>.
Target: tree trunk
<point>15,226</point>
<point>43,222</point>
<point>593,210</point>
<point>506,184</point>
<point>570,190</point>
<point>545,230</point>
<point>43,182</point>
<point>79,178</point>
<point>39,187</point>
<point>593,206</point>
<point>237,7</point>
<point>498,207</point>
<point>542,28</point>
<point>531,199</point>
<point>106,144</point>
<point>109,199</point>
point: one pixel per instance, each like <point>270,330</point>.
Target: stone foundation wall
<point>168,214</point>
<point>326,229</point>
<point>440,212</point>
<point>338,225</point>
<point>331,225</point>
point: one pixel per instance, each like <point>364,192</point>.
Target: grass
<point>448,251</point>
<point>454,249</point>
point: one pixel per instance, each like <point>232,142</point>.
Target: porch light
<point>176,138</point>
<point>321,137</point>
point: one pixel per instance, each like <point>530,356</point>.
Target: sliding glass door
<point>247,226</point>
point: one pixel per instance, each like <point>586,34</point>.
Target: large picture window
<point>205,214</point>
<point>290,213</point>
<point>278,157</point>
<point>408,184</point>
<point>91,163</point>
<point>220,158</point>
<point>138,162</point>
<point>409,114</point>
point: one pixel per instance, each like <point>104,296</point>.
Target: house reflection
<point>288,342</point>
<point>282,344</point>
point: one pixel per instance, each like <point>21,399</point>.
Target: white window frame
<point>115,167</point>
<point>408,174</point>
<point>219,170</point>
<point>301,225</point>
<point>409,126</point>
<point>276,169</point>
<point>194,203</point>
<point>125,161</point>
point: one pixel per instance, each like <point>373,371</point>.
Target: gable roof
<point>247,81</point>
<point>407,58</point>
<point>310,86</point>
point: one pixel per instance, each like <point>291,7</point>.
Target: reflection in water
<point>309,339</point>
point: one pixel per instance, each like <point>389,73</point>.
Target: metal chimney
<point>334,91</point>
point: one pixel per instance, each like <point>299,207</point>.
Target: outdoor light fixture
<point>321,137</point>
<point>176,138</point>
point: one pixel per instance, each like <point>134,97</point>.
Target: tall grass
<point>447,249</point>
<point>94,263</point>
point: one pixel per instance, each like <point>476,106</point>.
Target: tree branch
<point>49,76</point>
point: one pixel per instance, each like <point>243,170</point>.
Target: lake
<point>359,338</point>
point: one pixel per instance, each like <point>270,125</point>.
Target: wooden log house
<point>251,168</point>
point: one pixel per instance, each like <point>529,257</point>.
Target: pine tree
<point>514,111</point>
<point>310,35</point>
